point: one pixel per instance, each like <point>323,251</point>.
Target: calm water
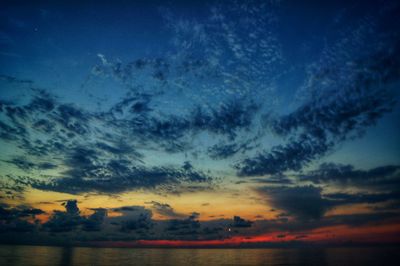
<point>38,255</point>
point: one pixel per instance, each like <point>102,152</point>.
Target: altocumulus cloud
<point>330,118</point>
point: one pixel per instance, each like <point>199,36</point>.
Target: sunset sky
<point>199,123</point>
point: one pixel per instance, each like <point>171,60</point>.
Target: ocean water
<point>43,256</point>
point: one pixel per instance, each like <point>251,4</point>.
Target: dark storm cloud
<point>14,219</point>
<point>18,212</point>
<point>128,209</point>
<point>330,118</point>
<point>345,198</point>
<point>65,221</point>
<point>382,184</point>
<point>143,222</point>
<point>382,177</point>
<point>95,220</point>
<point>362,219</point>
<point>240,222</point>
<point>135,222</point>
<point>303,202</point>
<point>188,227</point>
<point>309,203</point>
<point>71,206</point>
<point>134,218</point>
<point>304,227</point>
<point>17,226</point>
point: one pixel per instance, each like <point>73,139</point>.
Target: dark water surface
<point>41,255</point>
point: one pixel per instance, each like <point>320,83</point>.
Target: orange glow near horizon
<point>334,235</point>
<point>208,204</point>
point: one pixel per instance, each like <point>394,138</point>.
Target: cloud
<point>71,206</point>
<point>138,104</point>
<point>88,174</point>
<point>223,150</point>
<point>19,212</point>
<point>171,131</point>
<point>72,119</point>
<point>330,117</point>
<point>138,111</point>
<point>383,177</point>
<point>283,157</point>
<point>380,184</point>
<point>93,148</point>
<point>8,132</point>
<point>302,202</point>
<point>24,164</point>
<point>208,98</point>
<point>15,219</point>
<point>346,198</point>
<point>134,218</point>
<point>227,118</point>
<point>275,179</point>
<point>165,210</point>
<point>187,228</point>
<point>305,227</point>
<point>42,102</point>
<point>13,188</point>
<point>143,222</point>
<point>135,222</point>
<point>12,79</point>
<point>65,221</point>
<point>309,203</point>
<point>240,222</point>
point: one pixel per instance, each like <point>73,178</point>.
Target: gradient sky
<point>209,123</point>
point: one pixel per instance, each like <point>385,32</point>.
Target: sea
<point>82,256</point>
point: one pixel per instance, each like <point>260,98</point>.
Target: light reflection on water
<point>65,256</point>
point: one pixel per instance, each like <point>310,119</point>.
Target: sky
<point>199,123</point>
